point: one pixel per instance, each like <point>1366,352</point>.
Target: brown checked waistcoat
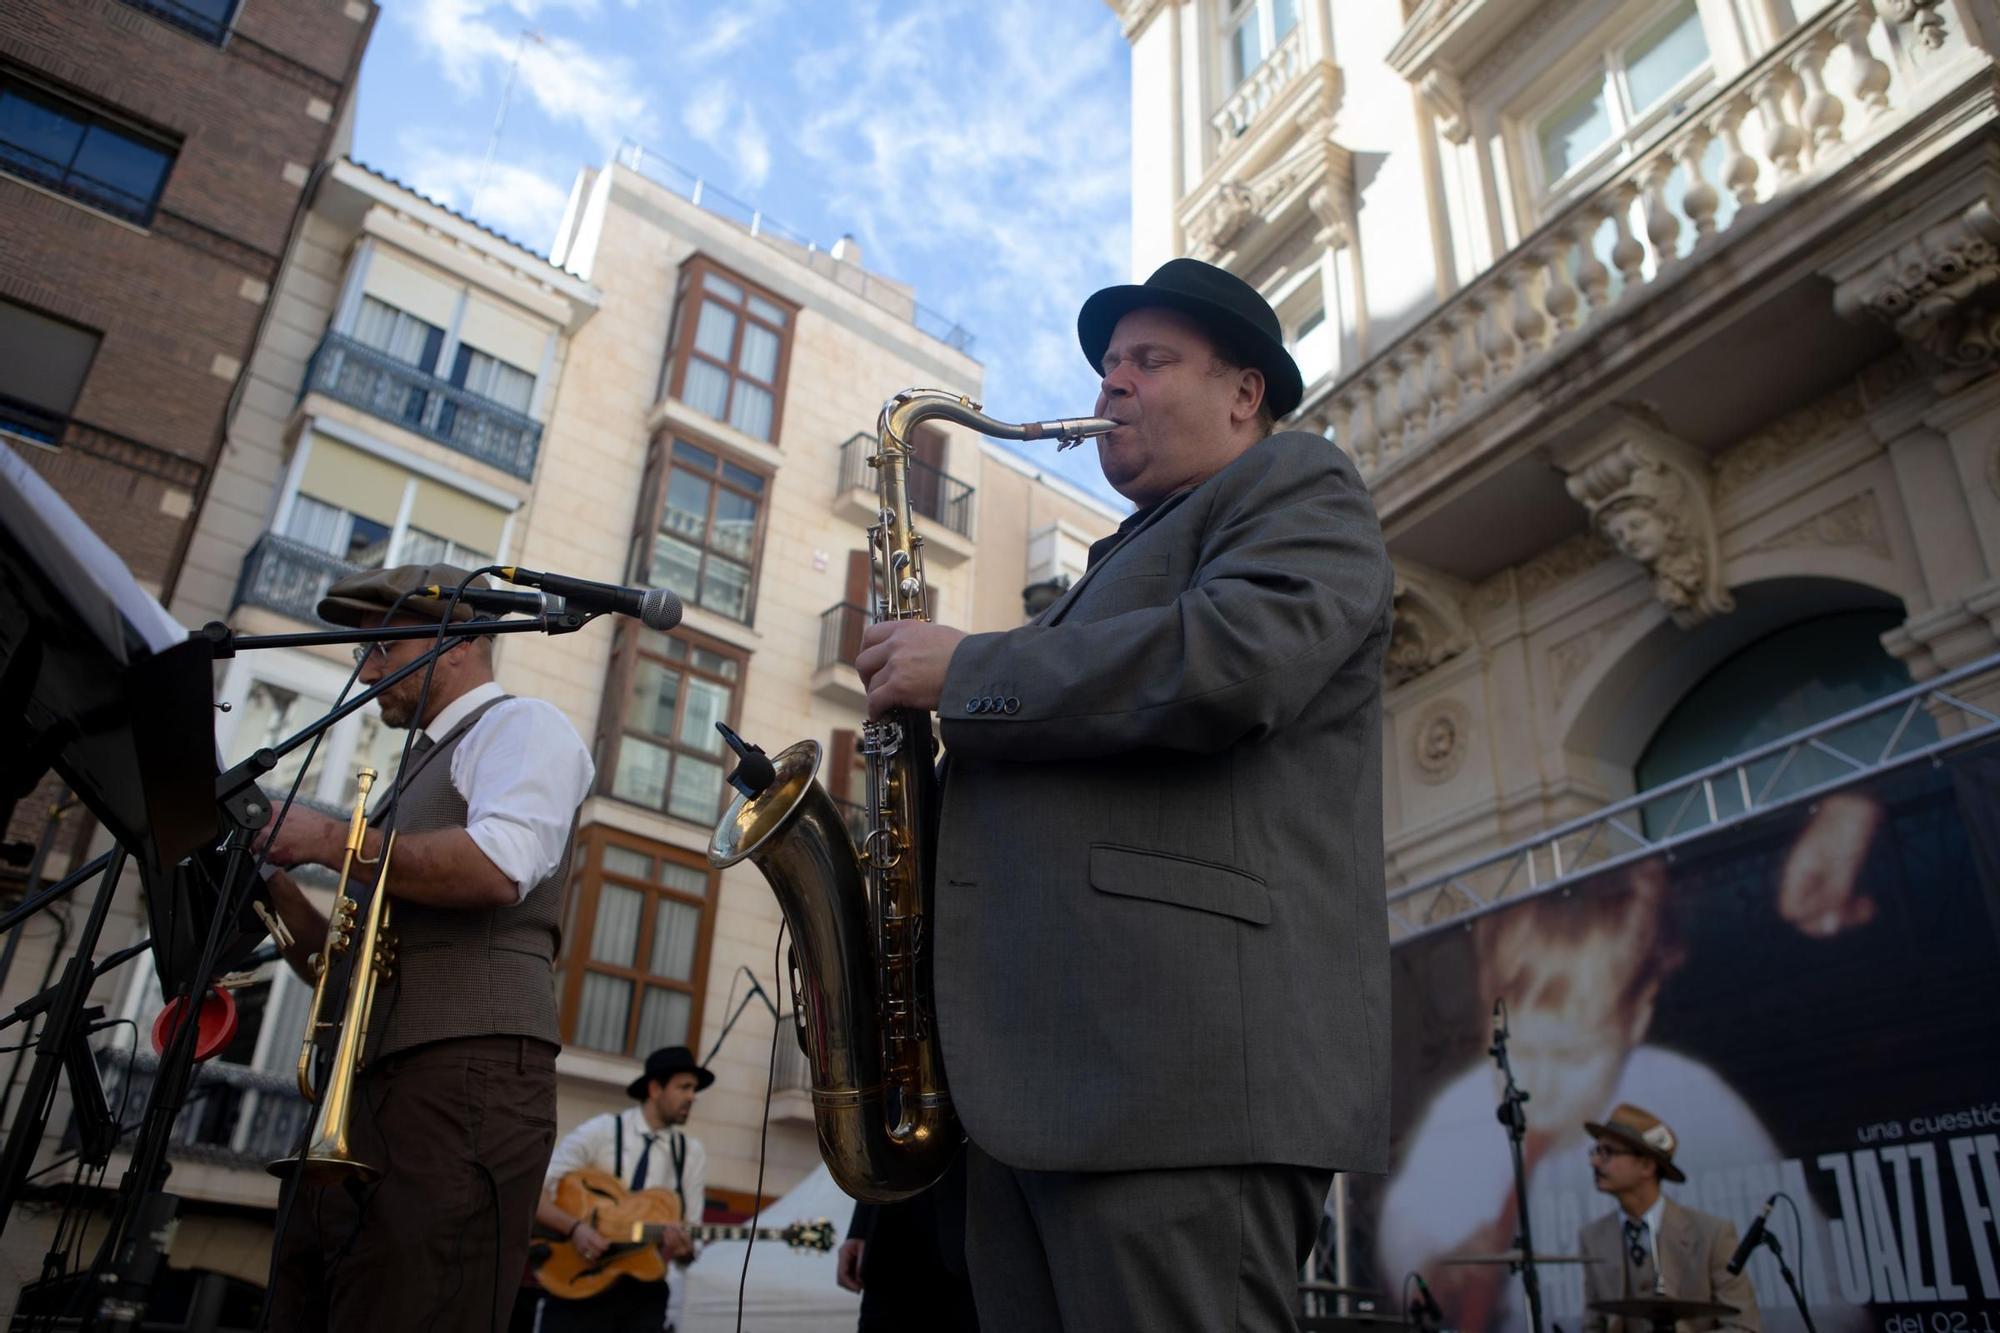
<point>458,972</point>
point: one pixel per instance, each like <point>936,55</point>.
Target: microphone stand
<point>1798,1296</point>
<point>756,991</point>
<point>1515,1119</point>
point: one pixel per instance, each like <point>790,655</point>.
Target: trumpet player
<point>1159,865</point>
<point>455,1104</point>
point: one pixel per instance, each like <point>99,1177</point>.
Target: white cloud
<point>522,202</point>
<point>472,39</point>
<point>753,150</point>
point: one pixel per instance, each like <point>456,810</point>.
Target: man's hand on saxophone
<point>903,664</point>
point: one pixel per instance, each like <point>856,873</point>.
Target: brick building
<point>152,158</point>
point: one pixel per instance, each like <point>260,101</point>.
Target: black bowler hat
<point>1240,321</point>
<point>662,1065</point>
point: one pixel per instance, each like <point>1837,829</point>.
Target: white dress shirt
<point>594,1143</point>
<point>1651,1218</point>
<point>523,771</point>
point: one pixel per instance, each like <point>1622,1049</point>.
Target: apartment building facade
<point>1661,331</point>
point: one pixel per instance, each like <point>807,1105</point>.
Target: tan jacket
<point>1694,1251</point>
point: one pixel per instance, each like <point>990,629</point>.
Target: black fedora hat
<point>662,1065</point>
<point>1240,321</point>
<point>359,600</point>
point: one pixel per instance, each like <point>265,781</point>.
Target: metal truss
<point>1861,743</point>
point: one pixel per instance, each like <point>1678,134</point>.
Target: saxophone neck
<point>902,414</point>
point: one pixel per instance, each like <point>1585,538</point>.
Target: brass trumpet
<point>328,1160</point>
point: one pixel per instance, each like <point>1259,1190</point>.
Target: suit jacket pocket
<point>1132,873</point>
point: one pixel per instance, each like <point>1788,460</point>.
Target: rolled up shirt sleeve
<point>523,771</point>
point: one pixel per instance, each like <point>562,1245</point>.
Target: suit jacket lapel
<point>1680,1274</point>
<point>1060,607</point>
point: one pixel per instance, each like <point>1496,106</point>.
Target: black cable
<point>1798,1238</point>
<point>763,1135</point>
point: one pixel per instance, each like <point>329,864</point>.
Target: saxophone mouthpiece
<point>754,773</point>
<point>1072,431</point>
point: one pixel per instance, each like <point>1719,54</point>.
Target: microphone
<point>495,600</point>
<point>754,771</point>
<point>1428,1312</point>
<point>1751,1238</point>
<point>655,608</point>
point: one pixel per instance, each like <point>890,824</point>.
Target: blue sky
<point>977,149</point>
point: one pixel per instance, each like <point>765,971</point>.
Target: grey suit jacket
<point>1694,1251</point>
<point>1161,936</point>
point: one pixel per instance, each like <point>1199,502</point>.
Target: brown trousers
<point>463,1130</point>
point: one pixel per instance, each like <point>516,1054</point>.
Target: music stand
<point>104,690</point>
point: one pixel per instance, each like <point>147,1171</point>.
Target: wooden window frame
<point>681,331</point>
<point>612,730</point>
<point>591,876</point>
<point>653,511</point>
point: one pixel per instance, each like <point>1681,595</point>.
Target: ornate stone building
<point>1663,332</point>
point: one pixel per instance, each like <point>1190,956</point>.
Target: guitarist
<point>643,1146</point>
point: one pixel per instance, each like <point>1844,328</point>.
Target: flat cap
<point>359,600</point>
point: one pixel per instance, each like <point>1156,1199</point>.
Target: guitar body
<point>622,1217</point>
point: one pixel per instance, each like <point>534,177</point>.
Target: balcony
<point>234,1117</point>
<point>834,677</point>
<point>397,392</point>
<point>1665,283</point>
<point>1256,93</point>
<point>943,504</point>
<point>289,577</point>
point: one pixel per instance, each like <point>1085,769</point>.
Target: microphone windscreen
<point>660,609</point>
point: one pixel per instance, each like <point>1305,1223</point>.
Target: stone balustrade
<point>1258,91</point>
<point>1783,123</point>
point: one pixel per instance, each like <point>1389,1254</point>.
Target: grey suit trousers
<point>1178,1250</point>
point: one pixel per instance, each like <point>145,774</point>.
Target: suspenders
<point>678,1151</point>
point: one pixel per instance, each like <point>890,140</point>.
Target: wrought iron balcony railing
<point>840,629</point>
<point>206,19</point>
<point>289,576</point>
<point>358,375</point>
<point>1783,125</point>
<point>934,494</point>
<point>234,1116</point>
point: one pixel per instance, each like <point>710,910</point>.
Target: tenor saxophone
<point>860,960</point>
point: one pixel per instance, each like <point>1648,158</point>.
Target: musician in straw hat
<point>1652,1245</point>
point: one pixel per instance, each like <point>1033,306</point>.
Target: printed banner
<point>1811,1001</point>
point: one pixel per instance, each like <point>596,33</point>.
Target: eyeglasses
<point>361,651</point>
<point>1604,1151</point>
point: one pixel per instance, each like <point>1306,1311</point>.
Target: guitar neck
<point>718,1232</point>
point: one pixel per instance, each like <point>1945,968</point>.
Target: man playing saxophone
<point>1159,862</point>
<point>456,1099</point>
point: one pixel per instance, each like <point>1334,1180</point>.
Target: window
<point>1625,98</point>
<point>63,145</point>
<point>355,538</point>
<point>427,548</point>
<point>668,755</point>
<point>399,334</point>
<point>1255,29</point>
<point>42,365</point>
<point>206,19</point>
<point>727,351</point>
<point>704,543</point>
<point>493,379</point>
<point>638,951</point>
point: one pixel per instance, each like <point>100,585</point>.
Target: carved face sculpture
<point>1637,532</point>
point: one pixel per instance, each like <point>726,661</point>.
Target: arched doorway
<point>1790,679</point>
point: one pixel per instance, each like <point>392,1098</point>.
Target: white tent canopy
<point>789,1291</point>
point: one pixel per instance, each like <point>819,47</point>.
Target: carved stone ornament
<point>1919,14</point>
<point>1938,291</point>
<point>1439,739</point>
<point>1648,495</point>
<point>1221,220</point>
<point>1447,102</point>
<point>1134,15</point>
<point>1429,628</point>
